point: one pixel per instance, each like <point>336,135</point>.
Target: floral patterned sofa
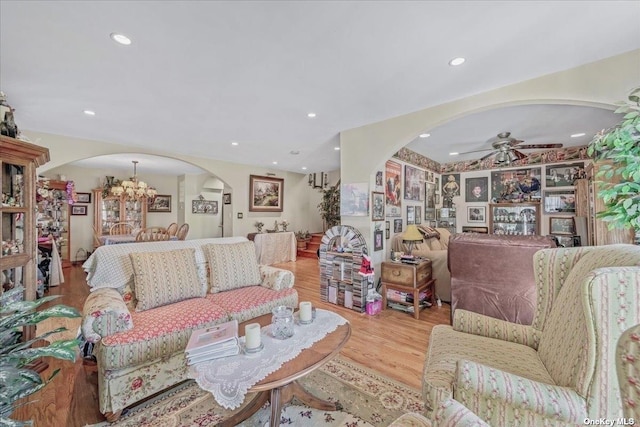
<point>146,298</point>
<point>559,370</point>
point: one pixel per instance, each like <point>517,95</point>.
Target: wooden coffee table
<point>281,386</point>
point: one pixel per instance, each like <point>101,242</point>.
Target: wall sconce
<point>310,180</point>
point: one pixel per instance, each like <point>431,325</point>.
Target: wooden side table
<point>411,279</point>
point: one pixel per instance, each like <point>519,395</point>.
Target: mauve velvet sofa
<point>493,275</point>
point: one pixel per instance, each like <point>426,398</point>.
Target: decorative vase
<point>282,322</point>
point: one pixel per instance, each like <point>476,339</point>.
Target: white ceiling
<point>201,74</point>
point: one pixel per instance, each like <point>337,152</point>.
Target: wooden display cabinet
<point>516,219</point>
<point>588,204</point>
<point>18,163</point>
<point>110,210</point>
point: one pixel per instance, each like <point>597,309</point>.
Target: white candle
<point>305,311</point>
<point>252,335</point>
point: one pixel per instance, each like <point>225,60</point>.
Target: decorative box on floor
<point>342,251</point>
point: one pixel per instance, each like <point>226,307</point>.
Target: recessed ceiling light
<point>304,168</point>
<point>234,143</point>
<point>457,61</point>
<point>425,135</point>
<point>578,135</point>
<point>311,115</point>
<point>275,163</point>
<point>454,153</point>
<point>294,152</point>
<point>120,38</point>
<point>90,113</point>
<point>336,148</point>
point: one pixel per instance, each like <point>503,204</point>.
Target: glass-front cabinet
<point>111,210</point>
<point>516,219</point>
<point>53,219</point>
<point>18,163</point>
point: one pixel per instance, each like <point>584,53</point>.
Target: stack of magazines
<point>213,342</point>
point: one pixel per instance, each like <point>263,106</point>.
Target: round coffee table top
<point>307,361</point>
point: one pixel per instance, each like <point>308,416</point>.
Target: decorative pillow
<point>428,232</point>
<point>165,277</point>
<point>232,265</point>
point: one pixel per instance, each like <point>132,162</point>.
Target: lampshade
<point>412,234</point>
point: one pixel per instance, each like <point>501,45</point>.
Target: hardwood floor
<point>392,343</point>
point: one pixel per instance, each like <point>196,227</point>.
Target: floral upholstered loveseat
<point>147,298</point>
<point>559,370</point>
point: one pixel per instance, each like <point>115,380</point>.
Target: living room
<point>364,152</point>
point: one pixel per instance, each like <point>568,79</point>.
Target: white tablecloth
<point>274,248</point>
<point>229,378</point>
<point>110,266</point>
<point>116,239</point>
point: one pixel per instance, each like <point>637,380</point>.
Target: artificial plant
<point>620,146</point>
<point>17,380</point>
<point>330,206</point>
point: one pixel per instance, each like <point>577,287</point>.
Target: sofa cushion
<point>165,277</point>
<point>158,332</point>
<point>245,270</point>
<point>250,302</point>
<point>447,347</point>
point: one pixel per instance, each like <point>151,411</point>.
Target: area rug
<point>366,397</point>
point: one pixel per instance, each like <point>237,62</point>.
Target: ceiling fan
<point>506,148</point>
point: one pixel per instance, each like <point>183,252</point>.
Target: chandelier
<point>134,189</point>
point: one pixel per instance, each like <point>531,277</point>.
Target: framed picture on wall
<point>411,218</point>
<point>266,194</point>
<point>418,214</point>
<point>477,189</point>
<point>377,203</point>
<point>397,225</point>
<point>162,203</point>
<point>78,209</point>
<point>84,197</point>
<point>560,201</point>
<point>476,214</point>
<point>377,240</point>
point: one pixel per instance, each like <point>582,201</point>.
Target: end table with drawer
<point>411,279</point>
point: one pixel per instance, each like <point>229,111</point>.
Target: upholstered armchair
<point>449,414</point>
<point>628,368</point>
<point>558,370</point>
<point>433,246</point>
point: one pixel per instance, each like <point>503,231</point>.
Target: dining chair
<point>96,238</point>
<point>121,228</point>
<point>152,234</point>
<point>172,229</point>
<point>183,231</point>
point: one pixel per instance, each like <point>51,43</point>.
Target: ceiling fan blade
<point>519,154</point>
<point>530,146</point>
<point>515,142</point>
<point>476,151</point>
<point>488,155</point>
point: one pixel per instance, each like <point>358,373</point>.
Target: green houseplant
<point>17,380</point>
<point>330,206</point>
<point>620,146</point>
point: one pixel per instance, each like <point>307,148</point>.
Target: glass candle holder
<point>282,322</point>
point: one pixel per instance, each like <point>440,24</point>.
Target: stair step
<point>307,253</point>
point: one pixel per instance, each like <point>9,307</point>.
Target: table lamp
<point>411,236</point>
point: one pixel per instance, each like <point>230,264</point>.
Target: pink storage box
<point>374,307</point>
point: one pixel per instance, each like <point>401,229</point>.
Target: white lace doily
<point>229,378</point>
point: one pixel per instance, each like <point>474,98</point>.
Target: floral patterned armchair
<point>560,369</point>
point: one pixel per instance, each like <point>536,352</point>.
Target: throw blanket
<point>110,266</point>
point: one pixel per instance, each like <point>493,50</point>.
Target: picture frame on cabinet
<point>83,197</point>
<point>78,209</point>
<point>562,226</point>
<point>560,201</point>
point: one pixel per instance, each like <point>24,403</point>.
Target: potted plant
<point>620,146</point>
<point>330,206</point>
<point>18,380</point>
<point>302,238</point>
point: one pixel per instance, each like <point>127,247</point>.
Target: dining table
<point>116,239</point>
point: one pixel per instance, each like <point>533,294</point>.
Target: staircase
<point>312,247</point>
